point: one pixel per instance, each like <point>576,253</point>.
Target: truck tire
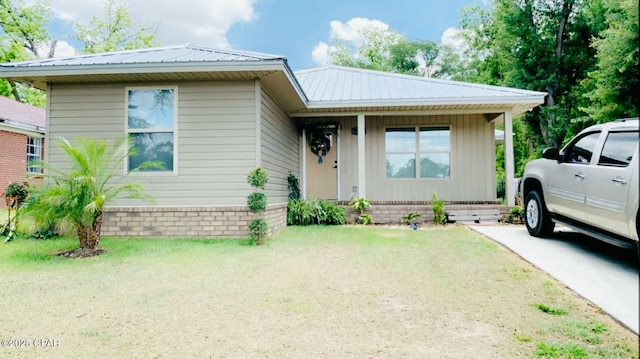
<point>536,216</point>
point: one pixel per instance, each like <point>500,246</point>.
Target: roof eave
<point>517,101</point>
<point>12,72</point>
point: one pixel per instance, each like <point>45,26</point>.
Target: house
<point>21,141</point>
<point>213,115</point>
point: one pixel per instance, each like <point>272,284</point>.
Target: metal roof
<point>325,90</point>
<point>21,114</point>
<point>333,86</point>
<point>168,54</point>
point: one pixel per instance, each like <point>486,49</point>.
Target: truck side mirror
<point>551,153</point>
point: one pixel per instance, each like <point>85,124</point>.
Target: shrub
<point>257,203</point>
<point>360,204</point>
<point>366,219</point>
<point>17,192</point>
<point>516,215</point>
<point>409,218</point>
<point>294,187</point>
<point>439,214</point>
<point>258,178</point>
<point>315,211</point>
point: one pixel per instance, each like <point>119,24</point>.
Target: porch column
<point>303,165</point>
<point>508,159</point>
<point>361,157</point>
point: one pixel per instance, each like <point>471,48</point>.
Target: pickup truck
<point>590,185</point>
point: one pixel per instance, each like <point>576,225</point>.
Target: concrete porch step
<point>474,216</point>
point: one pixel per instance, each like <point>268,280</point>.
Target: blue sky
<point>284,27</point>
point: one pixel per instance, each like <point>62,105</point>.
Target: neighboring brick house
<point>22,129</point>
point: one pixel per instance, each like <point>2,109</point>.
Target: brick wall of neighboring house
<point>183,222</point>
<point>13,161</point>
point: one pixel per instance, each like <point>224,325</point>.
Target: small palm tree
<point>75,197</point>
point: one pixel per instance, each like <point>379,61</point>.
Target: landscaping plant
<point>257,203</point>
<point>439,214</point>
<point>410,218</point>
<point>15,194</point>
<point>360,204</point>
<point>75,196</point>
<point>314,211</point>
<point>294,187</point>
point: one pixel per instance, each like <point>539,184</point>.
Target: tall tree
<point>114,31</point>
<point>371,52</point>
<point>23,36</point>
<point>540,45</point>
<point>615,84</point>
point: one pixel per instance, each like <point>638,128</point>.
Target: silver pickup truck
<point>590,185</point>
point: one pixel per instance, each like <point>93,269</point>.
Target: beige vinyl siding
<point>472,160</point>
<point>280,146</point>
<point>215,137</point>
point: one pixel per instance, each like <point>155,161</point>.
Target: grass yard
<point>329,292</point>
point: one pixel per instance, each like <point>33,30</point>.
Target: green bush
<point>257,202</point>
<point>315,211</point>
<point>258,178</point>
<point>366,219</point>
<point>516,215</point>
<point>294,187</point>
<point>258,229</point>
<point>17,191</point>
<point>439,214</point>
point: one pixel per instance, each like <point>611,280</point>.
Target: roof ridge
<point>230,51</point>
<point>417,78</point>
<point>81,56</point>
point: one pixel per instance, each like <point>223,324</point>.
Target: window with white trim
<point>418,152</point>
<point>151,119</point>
<point>34,154</point>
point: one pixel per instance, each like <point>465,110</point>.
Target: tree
<point>371,52</point>
<point>538,45</point>
<point>615,83</point>
<point>75,197</point>
<point>23,35</point>
<point>115,31</point>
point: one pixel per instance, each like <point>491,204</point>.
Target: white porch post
<point>303,165</point>
<point>361,157</point>
<point>508,159</point>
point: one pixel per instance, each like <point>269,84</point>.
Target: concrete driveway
<point>603,274</point>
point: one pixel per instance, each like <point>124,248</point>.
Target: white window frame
<point>34,143</point>
<point>173,130</point>
<point>416,152</point>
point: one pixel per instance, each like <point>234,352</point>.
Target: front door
<point>322,177</point>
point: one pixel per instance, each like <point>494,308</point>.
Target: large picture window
<point>151,118</point>
<point>34,154</point>
<point>418,152</point>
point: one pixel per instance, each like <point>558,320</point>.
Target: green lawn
<point>442,292</point>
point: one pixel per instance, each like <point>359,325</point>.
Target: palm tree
<point>75,197</point>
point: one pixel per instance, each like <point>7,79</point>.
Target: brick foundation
<point>391,212</point>
<point>183,222</point>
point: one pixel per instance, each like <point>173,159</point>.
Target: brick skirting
<point>391,212</point>
<point>183,222</point>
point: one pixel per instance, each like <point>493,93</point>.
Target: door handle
<point>619,180</point>
<point>580,176</point>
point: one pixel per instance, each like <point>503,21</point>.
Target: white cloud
<point>320,54</point>
<point>63,49</point>
<point>451,37</point>
<point>350,32</point>
<point>199,22</point>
